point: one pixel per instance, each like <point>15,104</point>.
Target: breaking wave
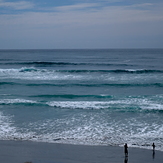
<point>32,69</point>
<point>133,104</point>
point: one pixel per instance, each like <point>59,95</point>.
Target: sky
<point>81,24</point>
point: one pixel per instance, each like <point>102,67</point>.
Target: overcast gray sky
<point>62,24</point>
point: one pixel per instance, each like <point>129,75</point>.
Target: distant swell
<point>100,85</point>
<point>114,71</point>
<point>8,83</point>
<point>49,63</point>
<point>137,71</point>
<point>85,85</point>
<point>71,96</point>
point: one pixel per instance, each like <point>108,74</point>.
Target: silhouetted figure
<point>126,149</point>
<point>153,145</point>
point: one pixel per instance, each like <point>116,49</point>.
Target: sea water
<point>92,97</point>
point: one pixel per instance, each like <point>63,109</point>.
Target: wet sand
<point>26,151</point>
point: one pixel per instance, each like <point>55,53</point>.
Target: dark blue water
<point>101,97</point>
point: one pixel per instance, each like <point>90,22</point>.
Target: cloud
<point>143,6</point>
<point>84,25</point>
<point>86,14</point>
<point>77,7</point>
<point>20,5</point>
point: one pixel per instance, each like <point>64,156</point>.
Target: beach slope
<point>25,151</point>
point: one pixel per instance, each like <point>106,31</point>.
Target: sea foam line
<point>33,69</point>
<point>16,101</point>
<point>111,76</point>
<point>126,104</point>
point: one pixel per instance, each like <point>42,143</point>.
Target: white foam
<point>142,103</point>
<point>9,132</point>
<point>5,126</point>
<point>36,74</point>
<point>87,129</point>
<point>95,132</point>
<point>31,73</point>
<point>12,101</point>
<point>79,104</point>
<point>90,127</point>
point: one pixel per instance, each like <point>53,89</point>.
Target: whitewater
<point>95,97</point>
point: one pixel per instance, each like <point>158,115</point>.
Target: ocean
<point>89,97</point>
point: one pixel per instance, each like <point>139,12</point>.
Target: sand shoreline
<point>37,152</point>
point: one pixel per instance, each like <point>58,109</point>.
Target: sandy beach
<point>33,152</point>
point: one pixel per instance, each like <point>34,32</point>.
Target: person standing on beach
<point>126,149</point>
<point>153,145</point>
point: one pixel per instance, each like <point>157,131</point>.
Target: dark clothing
<point>153,145</point>
<point>126,149</point>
